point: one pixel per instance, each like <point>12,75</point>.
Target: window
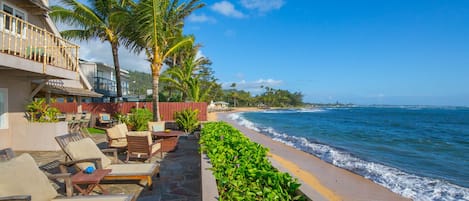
<point>3,108</point>
<point>12,24</point>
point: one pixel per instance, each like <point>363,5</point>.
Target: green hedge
<point>241,167</point>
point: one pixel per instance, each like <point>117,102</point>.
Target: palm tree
<point>157,30</point>
<point>103,19</point>
<point>187,73</point>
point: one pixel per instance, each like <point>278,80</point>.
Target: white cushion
<point>21,176</point>
<point>132,169</point>
<point>157,126</point>
<point>85,149</point>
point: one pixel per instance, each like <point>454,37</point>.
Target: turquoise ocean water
<point>416,151</point>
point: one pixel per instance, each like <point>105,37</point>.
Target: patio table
<point>170,139</point>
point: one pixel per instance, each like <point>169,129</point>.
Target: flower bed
<point>241,167</point>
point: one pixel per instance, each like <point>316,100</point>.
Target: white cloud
<point>200,18</point>
<point>199,54</point>
<point>253,86</point>
<point>226,8</point>
<point>95,50</point>
<point>263,5</point>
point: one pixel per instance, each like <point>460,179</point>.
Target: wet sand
<point>320,180</point>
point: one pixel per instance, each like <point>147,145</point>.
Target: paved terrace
<point>179,178</point>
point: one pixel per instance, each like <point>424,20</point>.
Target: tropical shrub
<point>39,111</point>
<point>187,120</point>
<point>138,119</point>
<point>241,167</point>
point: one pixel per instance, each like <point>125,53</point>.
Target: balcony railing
<point>25,40</point>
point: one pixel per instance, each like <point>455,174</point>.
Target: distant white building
<point>218,106</point>
<point>103,80</point>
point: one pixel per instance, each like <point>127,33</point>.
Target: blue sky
<point>361,51</point>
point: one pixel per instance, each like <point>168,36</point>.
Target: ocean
<point>419,152</point>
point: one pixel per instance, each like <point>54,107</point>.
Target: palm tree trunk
<point>115,57</point>
<point>156,76</point>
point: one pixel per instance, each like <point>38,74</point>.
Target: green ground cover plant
<point>241,167</point>
<point>96,131</point>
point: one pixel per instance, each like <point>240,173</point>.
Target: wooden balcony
<point>25,41</point>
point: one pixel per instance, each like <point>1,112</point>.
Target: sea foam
<point>398,181</point>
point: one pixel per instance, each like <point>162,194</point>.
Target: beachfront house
<point>103,80</point>
<point>32,53</point>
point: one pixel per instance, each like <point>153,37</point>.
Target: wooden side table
<point>91,180</point>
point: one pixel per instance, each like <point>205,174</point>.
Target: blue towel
<point>89,170</point>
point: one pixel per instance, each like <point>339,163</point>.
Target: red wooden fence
<point>167,109</point>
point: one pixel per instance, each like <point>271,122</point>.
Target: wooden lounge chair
<point>63,140</point>
<point>21,179</point>
<point>141,146</point>
<point>86,153</point>
<point>116,136</point>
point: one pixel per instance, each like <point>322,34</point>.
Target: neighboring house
<point>32,53</point>
<point>103,80</point>
<point>218,106</point>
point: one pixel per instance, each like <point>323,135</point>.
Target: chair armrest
<point>96,161</point>
<point>156,142</point>
<point>117,138</point>
<point>114,154</point>
<point>17,198</point>
<point>67,181</point>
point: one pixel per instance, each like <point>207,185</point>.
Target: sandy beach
<point>320,180</point>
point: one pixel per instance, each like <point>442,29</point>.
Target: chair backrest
<point>104,117</point>
<point>68,117</point>
<point>139,142</point>
<point>156,126</point>
<point>78,116</point>
<point>63,141</point>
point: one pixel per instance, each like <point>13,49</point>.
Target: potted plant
<point>42,127</point>
<point>187,120</point>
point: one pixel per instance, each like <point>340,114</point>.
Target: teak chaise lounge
<point>86,153</point>
<point>21,179</point>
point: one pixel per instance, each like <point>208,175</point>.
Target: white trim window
<point>8,24</point>
<point>3,108</point>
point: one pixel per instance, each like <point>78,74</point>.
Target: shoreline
<point>320,180</point>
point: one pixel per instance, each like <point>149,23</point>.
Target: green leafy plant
<point>187,120</point>
<point>138,119</point>
<point>241,168</point>
<point>122,118</point>
<point>39,111</point>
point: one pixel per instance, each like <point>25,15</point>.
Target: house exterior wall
<point>18,91</point>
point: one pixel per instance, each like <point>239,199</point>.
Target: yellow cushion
<point>85,149</point>
<point>123,129</point>
<point>21,176</point>
<point>155,147</point>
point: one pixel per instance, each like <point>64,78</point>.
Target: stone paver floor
<point>179,178</point>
